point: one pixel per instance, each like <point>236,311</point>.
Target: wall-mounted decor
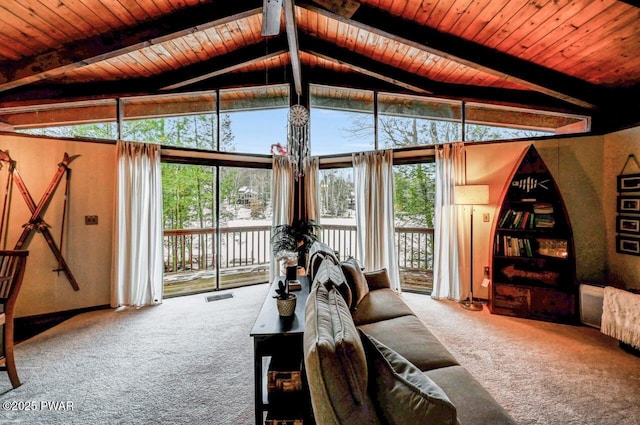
<point>629,183</point>
<point>628,208</point>
<point>628,224</point>
<point>629,204</point>
<point>628,245</point>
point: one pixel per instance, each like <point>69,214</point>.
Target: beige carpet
<point>190,362</point>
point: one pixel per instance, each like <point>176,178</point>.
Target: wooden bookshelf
<point>532,255</point>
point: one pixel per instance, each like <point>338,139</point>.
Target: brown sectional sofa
<point>370,360</point>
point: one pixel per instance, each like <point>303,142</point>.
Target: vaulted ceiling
<point>571,56</point>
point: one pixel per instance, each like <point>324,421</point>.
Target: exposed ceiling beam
<point>232,61</point>
<point>420,85</point>
<point>119,42</point>
<point>363,65</point>
<point>292,37</point>
<point>478,57</point>
<point>344,8</point>
<point>42,93</point>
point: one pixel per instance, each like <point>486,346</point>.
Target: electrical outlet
<point>486,270</point>
<point>90,220</point>
<point>486,217</point>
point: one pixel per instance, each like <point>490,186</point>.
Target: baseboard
<point>30,326</point>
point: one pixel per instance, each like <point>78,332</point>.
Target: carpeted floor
<point>189,361</point>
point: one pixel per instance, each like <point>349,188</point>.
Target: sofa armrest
<point>377,279</point>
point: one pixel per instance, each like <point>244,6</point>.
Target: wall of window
<point>173,120</point>
<point>348,120</point>
<point>342,120</point>
<point>253,119</point>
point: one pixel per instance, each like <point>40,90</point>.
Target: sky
<point>256,131</point>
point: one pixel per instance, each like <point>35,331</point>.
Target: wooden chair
<point>12,266</point>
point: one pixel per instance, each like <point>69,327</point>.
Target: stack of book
<point>543,215</point>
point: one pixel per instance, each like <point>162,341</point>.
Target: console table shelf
<point>277,347</point>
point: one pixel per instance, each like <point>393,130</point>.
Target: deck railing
<point>189,250</point>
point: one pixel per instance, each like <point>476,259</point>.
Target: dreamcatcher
<point>298,136</point>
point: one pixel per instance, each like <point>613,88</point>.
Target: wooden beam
<point>527,74</point>
<point>271,13</point>
<point>219,65</point>
<point>344,8</point>
<point>292,37</point>
<point>43,93</point>
<point>94,49</point>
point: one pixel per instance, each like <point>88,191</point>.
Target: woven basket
<point>287,308</point>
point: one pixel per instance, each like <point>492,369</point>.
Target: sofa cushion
<point>317,253</point>
<point>404,395</point>
<point>377,279</point>
<point>329,274</point>
<point>381,304</point>
<point>463,390</point>
<point>410,338</point>
<point>335,361</point>
<point>356,281</point>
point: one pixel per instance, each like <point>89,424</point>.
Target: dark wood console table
<point>276,336</point>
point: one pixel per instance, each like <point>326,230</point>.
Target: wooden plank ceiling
<point>573,56</point>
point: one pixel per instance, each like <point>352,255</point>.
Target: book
<point>543,208</point>
<point>294,285</point>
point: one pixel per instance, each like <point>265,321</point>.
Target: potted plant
<point>285,300</point>
<point>297,237</point>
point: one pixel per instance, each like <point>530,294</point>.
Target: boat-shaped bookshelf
<point>532,255</point>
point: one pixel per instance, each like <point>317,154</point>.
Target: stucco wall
<point>86,249</point>
<point>623,269</point>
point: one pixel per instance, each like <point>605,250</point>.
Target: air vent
<point>217,297</point>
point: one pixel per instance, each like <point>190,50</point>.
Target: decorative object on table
<point>628,209</point>
<point>286,301</point>
<point>296,237</point>
<point>474,194</point>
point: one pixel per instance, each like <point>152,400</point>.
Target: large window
<point>176,120</point>
<point>337,210</point>
<point>253,119</point>
<point>414,201</point>
<point>93,120</point>
<point>405,121</point>
<point>200,255</point>
<point>342,120</point>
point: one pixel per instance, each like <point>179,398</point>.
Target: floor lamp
<point>471,194</point>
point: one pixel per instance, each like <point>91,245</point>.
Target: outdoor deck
<point>190,260</point>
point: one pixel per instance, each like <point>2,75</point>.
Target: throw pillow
<point>356,281</point>
<point>377,279</point>
<point>404,394</point>
<point>330,275</point>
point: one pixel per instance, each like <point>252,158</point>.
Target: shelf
<point>533,267</point>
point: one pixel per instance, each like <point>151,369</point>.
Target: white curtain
<point>375,221</point>
<point>450,226</point>
<point>311,193</point>
<point>282,188</point>
<point>137,244</point>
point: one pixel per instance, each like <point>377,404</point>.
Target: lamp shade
<point>471,194</point>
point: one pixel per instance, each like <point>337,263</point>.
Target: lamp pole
<point>474,194</point>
